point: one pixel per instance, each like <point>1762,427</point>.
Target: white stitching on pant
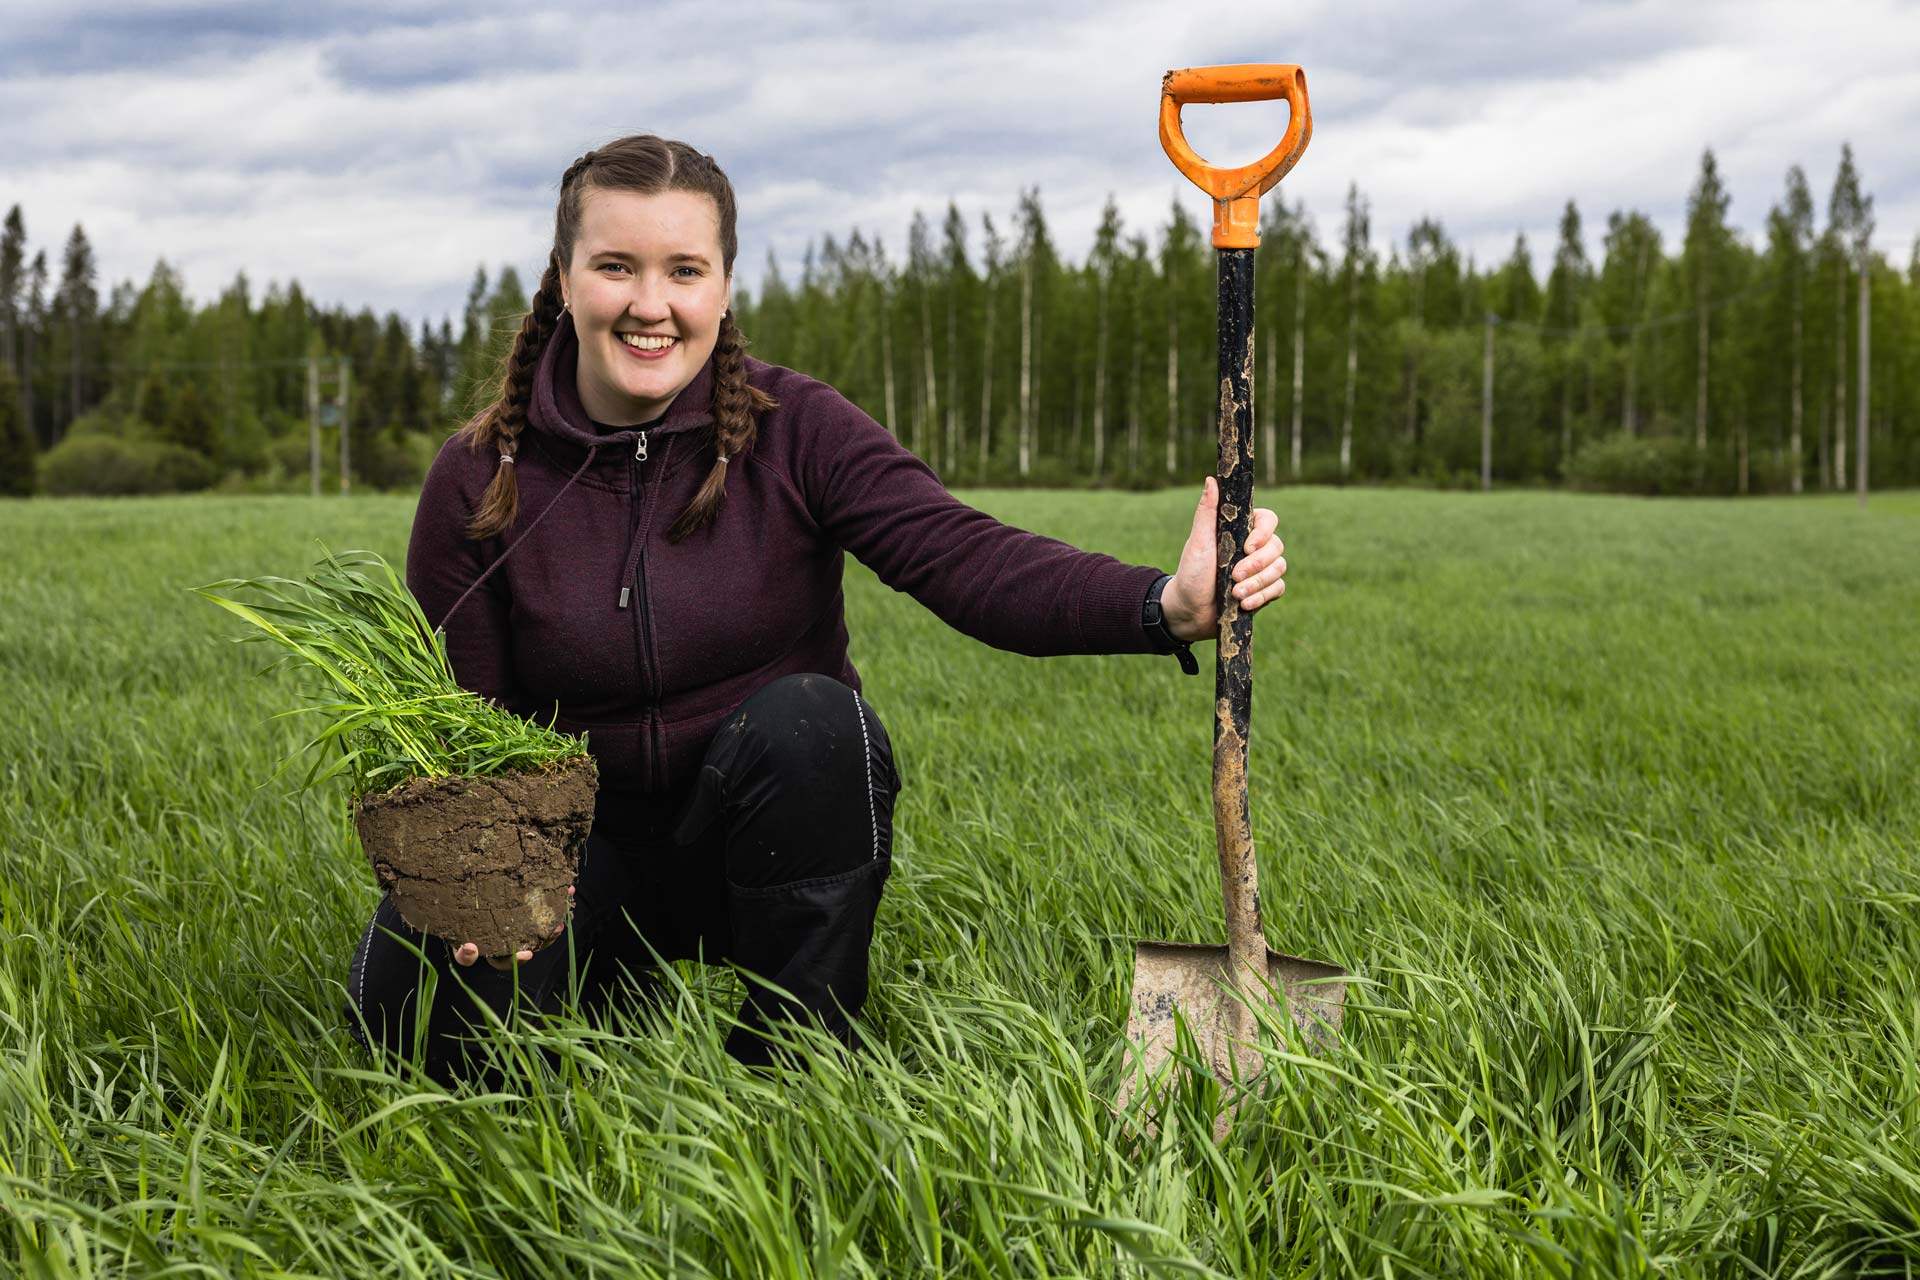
<point>873,819</point>
<point>366,954</point>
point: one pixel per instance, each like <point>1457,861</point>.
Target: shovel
<point>1213,991</point>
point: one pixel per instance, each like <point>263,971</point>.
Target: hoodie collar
<point>556,412</point>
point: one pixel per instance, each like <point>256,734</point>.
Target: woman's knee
<point>804,777</point>
<point>799,722</point>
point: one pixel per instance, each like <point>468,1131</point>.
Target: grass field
<point>1612,805</point>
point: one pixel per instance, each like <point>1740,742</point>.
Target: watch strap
<point>1154,621</point>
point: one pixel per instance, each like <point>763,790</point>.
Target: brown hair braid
<point>734,428</point>
<point>499,424</point>
<point>650,166</point>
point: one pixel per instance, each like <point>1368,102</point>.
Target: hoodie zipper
<point>643,632</point>
<point>633,485</point>
<point>641,620</point>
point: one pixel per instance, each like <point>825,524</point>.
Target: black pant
<point>774,861</point>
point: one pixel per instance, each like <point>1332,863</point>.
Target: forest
<point>1728,362</point>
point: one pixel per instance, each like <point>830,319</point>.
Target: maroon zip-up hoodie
<point>596,622</point>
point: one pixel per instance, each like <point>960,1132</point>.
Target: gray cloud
<point>379,152</point>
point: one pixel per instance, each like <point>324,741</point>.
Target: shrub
<point>388,461</point>
<point>1653,465</point>
<point>98,465</point>
<point>106,420</point>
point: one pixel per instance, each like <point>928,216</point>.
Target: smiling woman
<point>746,786</point>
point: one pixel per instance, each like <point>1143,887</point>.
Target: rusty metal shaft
<point>1233,671</point>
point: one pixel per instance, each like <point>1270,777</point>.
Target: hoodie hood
<point>556,412</point>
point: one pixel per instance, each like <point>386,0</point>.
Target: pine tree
<point>1849,227</point>
<point>1178,252</point>
<point>1566,298</point>
<point>1632,250</point>
<point>1704,255</point>
<point>1103,262</point>
<point>958,285</point>
<point>1426,244</point>
<point>921,273</point>
<point>1354,266</point>
<point>1035,248</point>
<point>1790,244</point>
<point>995,246</point>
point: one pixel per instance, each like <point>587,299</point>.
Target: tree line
<point>1725,362</point>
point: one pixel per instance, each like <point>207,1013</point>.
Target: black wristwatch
<point>1156,626</point>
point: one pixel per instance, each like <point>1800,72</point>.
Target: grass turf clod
<point>482,860</point>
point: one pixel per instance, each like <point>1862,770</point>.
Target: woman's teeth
<point>645,342</point>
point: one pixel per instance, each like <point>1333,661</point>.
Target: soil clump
<point>486,860</point>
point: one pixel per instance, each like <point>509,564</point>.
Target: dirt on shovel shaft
<point>482,860</point>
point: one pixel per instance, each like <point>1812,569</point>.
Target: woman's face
<point>647,289</point>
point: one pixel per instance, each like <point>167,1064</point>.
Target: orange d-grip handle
<point>1236,192</point>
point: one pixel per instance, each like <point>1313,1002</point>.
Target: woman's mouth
<point>647,346</point>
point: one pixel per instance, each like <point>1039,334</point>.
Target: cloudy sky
<point>379,151</point>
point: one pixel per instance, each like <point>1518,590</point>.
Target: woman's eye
<point>615,266</point>
<point>691,270</point>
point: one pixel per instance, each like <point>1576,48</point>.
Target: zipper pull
<point>640,448</point>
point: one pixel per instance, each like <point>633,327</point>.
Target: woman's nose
<point>647,300</point>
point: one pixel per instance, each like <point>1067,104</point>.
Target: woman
<point>641,540</point>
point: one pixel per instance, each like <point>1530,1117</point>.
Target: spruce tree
<point>79,306</point>
<point>16,442</point>
<point>13,258</point>
<point>189,422</point>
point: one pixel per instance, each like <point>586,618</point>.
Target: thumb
<point>1205,515</point>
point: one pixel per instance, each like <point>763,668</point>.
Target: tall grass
<point>1609,805</point>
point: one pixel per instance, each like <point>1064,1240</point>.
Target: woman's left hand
<point>1188,603</point>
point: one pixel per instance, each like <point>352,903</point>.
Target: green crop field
<point>1612,807</point>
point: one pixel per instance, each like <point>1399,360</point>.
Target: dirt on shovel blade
<point>482,860</point>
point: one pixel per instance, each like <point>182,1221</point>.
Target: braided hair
<point>648,165</point>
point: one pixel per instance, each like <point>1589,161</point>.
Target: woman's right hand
<point>468,952</point>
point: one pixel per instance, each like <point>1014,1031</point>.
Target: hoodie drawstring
<point>517,541</point>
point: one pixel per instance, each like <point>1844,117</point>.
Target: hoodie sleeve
<point>442,562</point>
<point>1011,589</point>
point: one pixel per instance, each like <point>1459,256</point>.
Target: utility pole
<point>343,374</point>
<point>1486,409</point>
<point>313,423</point>
<point>1860,443</point>
<point>340,375</point>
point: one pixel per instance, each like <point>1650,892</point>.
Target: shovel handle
<point>1233,662</point>
<point>1236,192</point>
